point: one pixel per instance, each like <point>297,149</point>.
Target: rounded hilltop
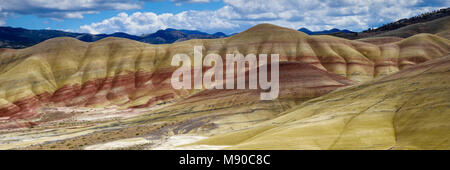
<point>267,26</point>
<point>59,41</point>
<point>107,39</point>
<point>269,30</point>
<point>55,43</point>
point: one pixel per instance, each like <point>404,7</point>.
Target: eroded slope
<point>407,110</point>
<point>65,72</point>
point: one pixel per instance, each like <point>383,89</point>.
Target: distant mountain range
<point>425,17</point>
<point>436,22</point>
<point>21,38</point>
<point>331,31</point>
<point>170,35</point>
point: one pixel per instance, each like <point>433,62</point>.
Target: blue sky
<point>229,16</point>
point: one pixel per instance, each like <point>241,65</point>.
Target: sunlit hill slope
<point>406,110</point>
<point>334,93</point>
<point>113,71</point>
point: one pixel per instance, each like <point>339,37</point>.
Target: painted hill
<point>406,110</point>
<point>217,111</point>
<point>112,71</point>
<point>115,88</point>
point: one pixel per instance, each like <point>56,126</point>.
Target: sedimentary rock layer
<point>125,73</point>
<point>219,110</point>
<point>406,110</point>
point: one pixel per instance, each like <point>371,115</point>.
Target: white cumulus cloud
<point>238,15</point>
<point>234,16</point>
<point>148,22</point>
<point>325,14</point>
<point>62,9</point>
